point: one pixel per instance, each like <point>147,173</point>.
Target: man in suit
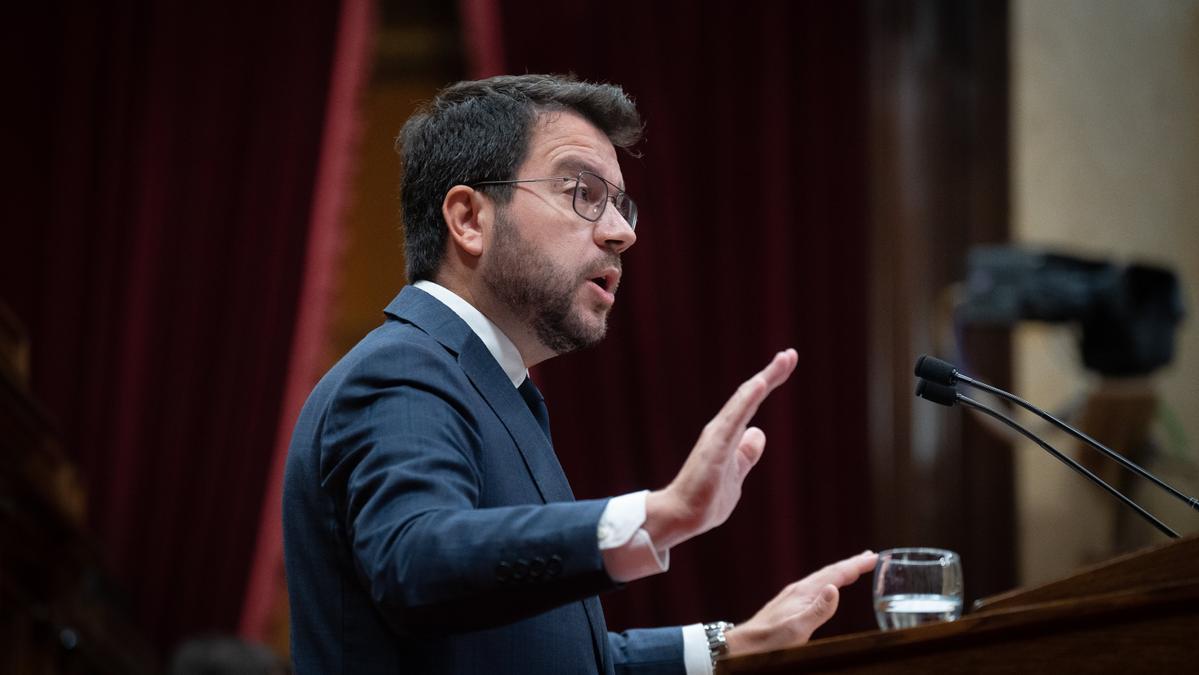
<point>428,525</point>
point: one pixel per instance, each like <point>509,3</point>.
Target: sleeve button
<point>536,568</point>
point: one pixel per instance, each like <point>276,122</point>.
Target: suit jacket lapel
<point>484,372</point>
<point>538,454</point>
<point>440,322</point>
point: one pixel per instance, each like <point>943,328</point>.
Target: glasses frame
<point>609,189</point>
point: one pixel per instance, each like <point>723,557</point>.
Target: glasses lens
<point>591,193</point>
<point>627,208</point>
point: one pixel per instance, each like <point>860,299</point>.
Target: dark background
<point>804,164</point>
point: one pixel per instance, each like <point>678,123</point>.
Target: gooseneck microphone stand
<point>944,373</point>
<point>948,395</point>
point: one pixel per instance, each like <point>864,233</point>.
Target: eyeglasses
<point>591,196</point>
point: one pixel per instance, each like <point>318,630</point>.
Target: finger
<point>740,408</point>
<point>753,443</point>
<point>780,368</point>
<point>816,614</point>
<point>844,572</point>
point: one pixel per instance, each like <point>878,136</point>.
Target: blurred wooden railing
<point>59,612</point>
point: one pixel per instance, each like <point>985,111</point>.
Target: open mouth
<point>607,280</point>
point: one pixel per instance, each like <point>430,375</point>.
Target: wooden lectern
<point>1138,613</point>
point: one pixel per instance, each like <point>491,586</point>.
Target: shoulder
<point>394,356</point>
<point>398,384</point>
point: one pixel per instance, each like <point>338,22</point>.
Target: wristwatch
<point>718,647</point>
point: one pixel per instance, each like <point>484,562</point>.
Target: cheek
<point>567,259</point>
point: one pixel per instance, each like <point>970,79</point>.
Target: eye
<point>592,190</point>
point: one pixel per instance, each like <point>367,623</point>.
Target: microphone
<point>944,373</point>
<point>935,370</point>
<point>948,395</point>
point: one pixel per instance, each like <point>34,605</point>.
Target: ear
<point>467,214</point>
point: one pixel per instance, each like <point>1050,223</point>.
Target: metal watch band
<point>718,647</point>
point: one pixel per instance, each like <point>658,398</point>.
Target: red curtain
<point>267,583</point>
<point>754,223</point>
<point>156,255</point>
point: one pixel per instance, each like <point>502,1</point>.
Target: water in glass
<point>915,609</point>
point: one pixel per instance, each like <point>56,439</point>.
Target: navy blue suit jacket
<point>429,528</point>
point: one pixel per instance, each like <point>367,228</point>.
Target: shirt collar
<point>502,348</point>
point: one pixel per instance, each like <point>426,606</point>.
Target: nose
<point>613,232</point>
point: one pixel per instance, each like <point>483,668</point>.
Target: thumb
<point>816,614</point>
<point>753,443</point>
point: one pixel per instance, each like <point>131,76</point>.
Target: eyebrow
<point>574,165</point>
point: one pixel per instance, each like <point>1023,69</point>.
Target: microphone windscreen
<point>935,370</point>
<point>942,394</point>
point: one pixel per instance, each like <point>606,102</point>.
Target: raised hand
<point>708,487</point>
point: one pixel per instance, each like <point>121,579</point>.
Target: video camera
<point>1128,313</point>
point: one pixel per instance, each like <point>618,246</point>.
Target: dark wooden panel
<point>1151,629</point>
<point>939,185</point>
<point>1160,565</point>
<point>1134,613</point>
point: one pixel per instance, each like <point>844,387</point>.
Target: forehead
<point>564,143</point>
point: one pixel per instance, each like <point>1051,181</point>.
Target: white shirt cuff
<point>629,553</point>
<point>697,658</point>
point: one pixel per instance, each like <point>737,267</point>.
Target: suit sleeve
<point>648,651</point>
<point>401,456</point>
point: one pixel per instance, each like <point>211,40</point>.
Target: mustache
<point>606,261</point>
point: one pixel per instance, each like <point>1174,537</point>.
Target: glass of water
<point>915,586</point>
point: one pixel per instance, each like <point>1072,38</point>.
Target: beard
<point>541,293</point>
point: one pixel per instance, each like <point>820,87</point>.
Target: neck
<point>517,329</point>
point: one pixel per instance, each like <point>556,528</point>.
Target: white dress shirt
<point>629,553</point>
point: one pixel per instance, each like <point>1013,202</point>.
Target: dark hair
<point>479,130</point>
